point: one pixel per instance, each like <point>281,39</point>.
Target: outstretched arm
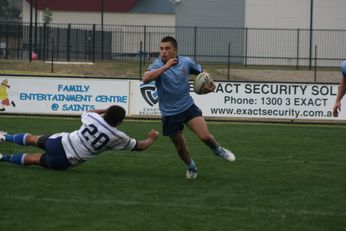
<point>99,111</point>
<point>144,144</point>
<point>341,93</point>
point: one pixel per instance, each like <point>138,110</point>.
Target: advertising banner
<point>67,96</point>
<point>256,100</point>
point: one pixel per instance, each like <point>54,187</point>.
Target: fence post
<point>94,42</point>
<point>47,43</point>
<point>298,38</point>
<point>315,65</point>
<point>18,41</point>
<point>44,42</point>
<point>52,63</point>
<point>195,45</point>
<point>58,43</point>
<point>1,47</point>
<point>149,47</point>
<point>228,59</point>
<point>39,42</point>
<point>102,45</point>
<point>7,40</point>
<point>68,42</point>
<point>86,50</point>
<point>140,59</point>
<point>30,32</point>
<point>145,41</point>
<point>35,29</point>
<point>311,31</point>
<point>246,46</point>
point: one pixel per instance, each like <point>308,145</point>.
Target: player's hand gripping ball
<point>202,83</point>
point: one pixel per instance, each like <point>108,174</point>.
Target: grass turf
<point>286,177</point>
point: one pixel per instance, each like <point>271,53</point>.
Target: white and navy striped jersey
<point>94,136</point>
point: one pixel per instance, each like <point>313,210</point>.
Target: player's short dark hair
<point>114,115</point>
<point>171,40</point>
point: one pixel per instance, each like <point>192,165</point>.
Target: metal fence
<point>244,46</point>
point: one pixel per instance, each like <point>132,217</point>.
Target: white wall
<point>293,14</point>
<point>114,18</point>
<point>108,18</point>
<point>330,14</point>
<point>210,13</point>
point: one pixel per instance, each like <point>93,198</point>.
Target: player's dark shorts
<point>55,156</point>
<point>173,124</point>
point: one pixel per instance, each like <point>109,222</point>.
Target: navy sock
<point>17,159</point>
<point>192,166</point>
<point>217,150</point>
<point>16,138</point>
<point>5,158</point>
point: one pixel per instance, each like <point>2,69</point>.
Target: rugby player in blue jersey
<point>341,91</point>
<point>171,74</point>
<point>98,133</point>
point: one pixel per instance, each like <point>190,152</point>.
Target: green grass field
<point>286,177</point>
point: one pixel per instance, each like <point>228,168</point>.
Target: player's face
<point>167,51</point>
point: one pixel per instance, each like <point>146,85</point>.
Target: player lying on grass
<point>98,133</point>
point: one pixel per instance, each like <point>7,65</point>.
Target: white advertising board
<point>256,100</point>
<point>146,98</point>
<point>60,95</point>
<point>66,96</point>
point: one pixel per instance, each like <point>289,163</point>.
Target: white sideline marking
<point>135,203</point>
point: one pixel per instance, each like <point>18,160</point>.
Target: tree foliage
<point>7,11</point>
<point>47,16</point>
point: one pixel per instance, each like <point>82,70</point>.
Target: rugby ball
<point>202,80</point>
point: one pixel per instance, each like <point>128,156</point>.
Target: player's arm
<point>153,74</point>
<point>99,111</point>
<point>145,144</point>
<point>341,93</point>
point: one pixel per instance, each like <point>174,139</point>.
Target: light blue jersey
<point>173,85</point>
<point>343,68</point>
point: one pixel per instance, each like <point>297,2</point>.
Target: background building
<point>270,32</point>
<point>278,14</point>
<point>294,14</point>
<point>129,12</point>
<point>259,31</point>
